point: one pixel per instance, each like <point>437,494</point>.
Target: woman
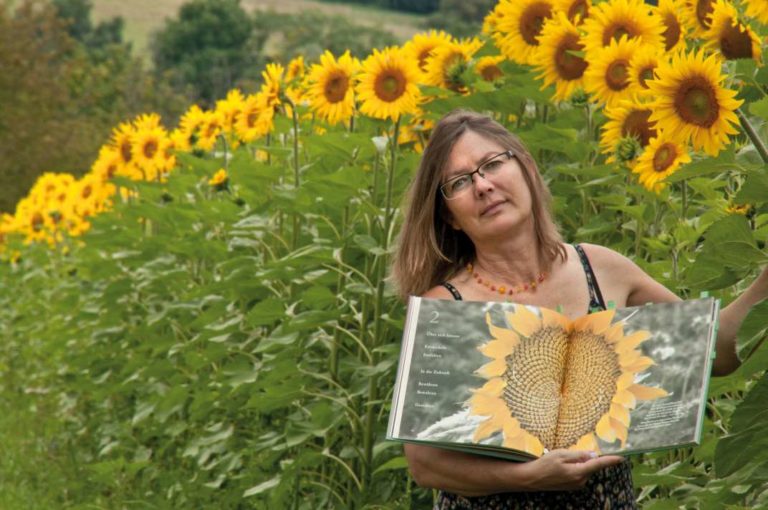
<point>479,228</point>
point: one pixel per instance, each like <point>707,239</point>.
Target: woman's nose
<point>482,183</point>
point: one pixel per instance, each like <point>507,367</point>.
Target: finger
<point>573,456</point>
<point>599,463</point>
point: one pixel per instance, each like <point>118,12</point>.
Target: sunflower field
<point>204,319</point>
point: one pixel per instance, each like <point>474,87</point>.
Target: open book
<point>515,381</point>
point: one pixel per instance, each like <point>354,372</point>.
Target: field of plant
<point>204,319</point>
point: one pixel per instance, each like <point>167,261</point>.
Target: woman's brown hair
<point>430,251</point>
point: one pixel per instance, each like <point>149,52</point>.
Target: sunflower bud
<point>627,149</point>
<point>580,98</point>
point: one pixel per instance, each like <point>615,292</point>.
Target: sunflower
<point>122,136</point>
<point>699,15</point>
<point>627,119</point>
<point>607,77</point>
<point>757,9</point>
<point>491,20</point>
<point>670,17</point>
<point>641,67</point>
<point>730,36</point>
<point>254,119</point>
<point>219,180</point>
<point>210,129</point>
<point>107,163</point>
<point>295,69</point>
<point>536,404</point>
<point>331,92</point>
<point>518,26</point>
<point>147,145</point>
<point>575,10</point>
<point>661,158</point>
<point>273,83</point>
<point>446,66</point>
<point>611,20</point>
<point>690,102</point>
<point>387,86</point>
<point>229,108</point>
<point>421,45</point>
<point>488,68</point>
<point>556,60</point>
<point>189,124</point>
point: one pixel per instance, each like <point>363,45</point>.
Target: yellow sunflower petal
<point>552,318</point>
<point>499,348</point>
<point>494,387</point>
<point>625,398</point>
<point>620,414</point>
<point>587,443</point>
<point>524,321</point>
<point>633,340</point>
<point>647,392</point>
<point>605,430</point>
<point>481,404</point>
<point>487,428</point>
<point>595,322</point>
<point>495,368</point>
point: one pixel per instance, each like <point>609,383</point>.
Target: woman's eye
<point>492,165</point>
<point>460,183</point>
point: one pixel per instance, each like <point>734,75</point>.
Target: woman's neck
<point>513,260</point>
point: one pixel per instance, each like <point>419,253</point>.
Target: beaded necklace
<point>502,289</point>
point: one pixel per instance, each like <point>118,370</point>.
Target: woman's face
<point>491,205</point>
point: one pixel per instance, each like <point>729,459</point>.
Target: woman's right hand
<point>564,469</point>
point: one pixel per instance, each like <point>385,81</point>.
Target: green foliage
<point>61,98</point>
<point>236,348</point>
<point>460,18</point>
<point>310,33</point>
<point>205,46</point>
<point>418,6</point>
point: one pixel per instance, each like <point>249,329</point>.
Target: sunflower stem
<point>749,130</point>
<point>296,177</point>
<point>684,212</point>
<point>373,386</point>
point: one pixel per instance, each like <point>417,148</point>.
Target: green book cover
<point>515,381</point>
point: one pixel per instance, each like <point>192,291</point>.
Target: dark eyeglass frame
<point>509,153</point>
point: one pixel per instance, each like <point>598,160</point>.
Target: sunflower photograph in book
<point>516,381</point>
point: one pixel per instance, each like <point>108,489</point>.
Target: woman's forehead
<point>470,150</point>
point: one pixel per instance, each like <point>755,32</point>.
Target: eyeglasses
<point>455,186</point>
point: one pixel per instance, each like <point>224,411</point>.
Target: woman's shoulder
<point>606,258</point>
<point>438,292</point>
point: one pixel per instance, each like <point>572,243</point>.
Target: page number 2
<point>435,317</point>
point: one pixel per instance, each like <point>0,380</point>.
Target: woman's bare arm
<point>475,475</point>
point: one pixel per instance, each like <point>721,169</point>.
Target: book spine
<point>404,367</point>
<point>708,376</point>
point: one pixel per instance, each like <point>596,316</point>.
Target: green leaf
<point>760,108</point>
<point>747,441</point>
<point>262,487</point>
<point>394,463</point>
<point>266,312</point>
<point>754,191</point>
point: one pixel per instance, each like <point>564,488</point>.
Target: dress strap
<point>596,301</point>
<point>453,290</point>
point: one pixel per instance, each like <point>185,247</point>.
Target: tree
<point>58,102</point>
<point>204,48</point>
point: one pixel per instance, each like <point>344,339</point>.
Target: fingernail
<point>592,455</point>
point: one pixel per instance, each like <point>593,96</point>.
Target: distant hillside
<point>142,17</point>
